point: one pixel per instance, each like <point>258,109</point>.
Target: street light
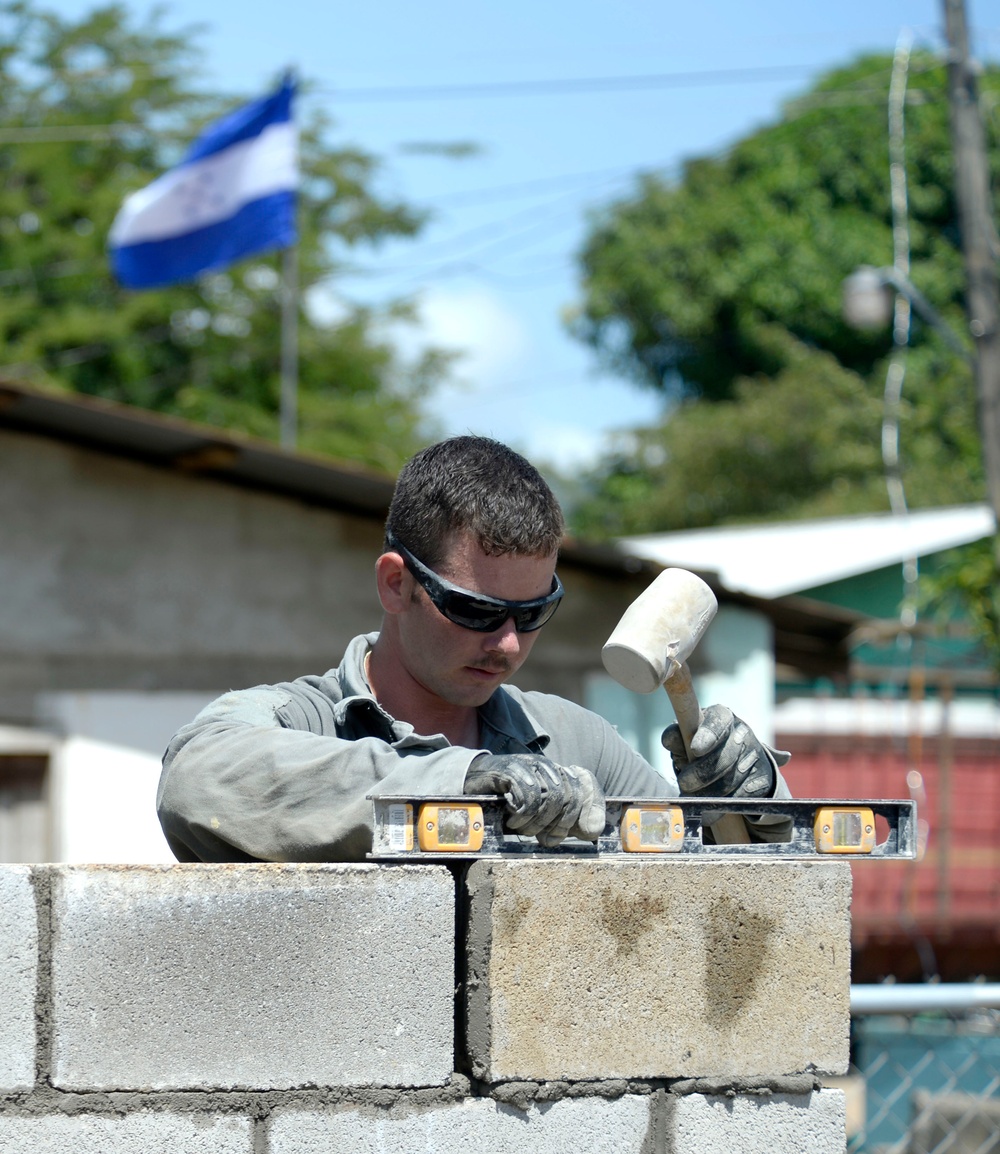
<point>868,303</point>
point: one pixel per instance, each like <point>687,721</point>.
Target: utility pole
<point>979,238</point>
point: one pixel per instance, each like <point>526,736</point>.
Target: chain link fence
<point>924,1083</point>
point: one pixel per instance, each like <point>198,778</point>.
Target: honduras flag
<point>232,195</point>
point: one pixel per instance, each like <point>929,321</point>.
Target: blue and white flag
<point>232,195</point>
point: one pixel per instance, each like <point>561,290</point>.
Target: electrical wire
<point>531,187</point>
<point>570,86</point>
<point>61,134</point>
<point>65,133</point>
<point>484,238</point>
<point>539,230</point>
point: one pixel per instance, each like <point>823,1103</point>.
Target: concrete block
<point>681,968</point>
<point>19,970</point>
<point>251,977</point>
<point>145,1132</point>
<point>623,1125</point>
<point>751,1124</point>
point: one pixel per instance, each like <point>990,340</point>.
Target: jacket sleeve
<point>261,774</point>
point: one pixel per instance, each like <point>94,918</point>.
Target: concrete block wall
<point>551,1005</point>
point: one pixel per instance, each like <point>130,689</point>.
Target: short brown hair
<point>476,485</point>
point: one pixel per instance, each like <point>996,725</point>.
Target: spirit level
<point>408,828</point>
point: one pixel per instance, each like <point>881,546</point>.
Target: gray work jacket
<point>283,772</point>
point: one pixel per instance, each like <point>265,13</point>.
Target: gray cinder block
<point>141,1133</point>
<point>680,968</point>
<point>593,1124</point>
<point>778,1124</point>
<point>19,968</point>
<point>251,976</point>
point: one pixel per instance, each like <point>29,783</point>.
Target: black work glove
<point>727,759</point>
<point>547,800</point>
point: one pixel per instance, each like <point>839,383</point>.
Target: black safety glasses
<point>476,610</point>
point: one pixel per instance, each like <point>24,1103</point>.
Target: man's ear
<point>392,582</point>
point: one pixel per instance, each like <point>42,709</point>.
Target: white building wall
<point>105,750</point>
<point>900,717</point>
<point>103,804</point>
<point>738,658</point>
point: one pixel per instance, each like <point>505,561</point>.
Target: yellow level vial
<point>844,829</point>
<point>652,829</point>
<point>455,828</point>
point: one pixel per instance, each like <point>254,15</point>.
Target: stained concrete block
<point>670,968</point>
<point>623,1125</point>
<point>19,970</point>
<point>251,976</point>
<point>142,1133</point>
<point>779,1124</point>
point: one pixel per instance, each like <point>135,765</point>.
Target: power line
<point>509,233</point>
<point>552,87</point>
<point>533,233</point>
<point>484,237</point>
<point>534,187</point>
<point>72,133</point>
<point>493,228</point>
<point>65,133</point>
<point>55,134</point>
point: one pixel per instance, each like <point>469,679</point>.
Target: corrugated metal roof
<point>775,560</point>
<point>178,444</point>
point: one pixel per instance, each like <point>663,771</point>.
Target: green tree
<point>962,594</point>
<point>94,109</point>
<point>723,292</point>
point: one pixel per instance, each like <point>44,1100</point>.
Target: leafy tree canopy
<point>723,292</point>
<point>93,110</point>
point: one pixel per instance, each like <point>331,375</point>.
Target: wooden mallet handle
<point>730,829</point>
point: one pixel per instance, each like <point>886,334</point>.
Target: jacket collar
<point>505,713</point>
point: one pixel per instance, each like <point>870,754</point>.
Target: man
<point>466,581</point>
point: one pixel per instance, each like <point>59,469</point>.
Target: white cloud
<point>325,305</point>
<point>513,380</point>
<point>568,447</point>
<point>473,322</point>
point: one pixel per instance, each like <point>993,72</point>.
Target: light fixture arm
<point>923,307</point>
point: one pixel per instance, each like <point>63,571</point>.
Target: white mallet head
<point>659,630</point>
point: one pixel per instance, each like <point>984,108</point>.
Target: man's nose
<point>505,640</point>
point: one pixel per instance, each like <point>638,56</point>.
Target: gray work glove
<point>550,801</point>
<point>727,759</point>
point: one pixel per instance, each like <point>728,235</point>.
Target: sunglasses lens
<point>532,619</point>
<point>528,620</point>
<point>471,614</point>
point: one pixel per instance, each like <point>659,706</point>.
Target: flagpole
<point>289,346</point>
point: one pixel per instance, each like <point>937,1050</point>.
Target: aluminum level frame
<point>899,816</point>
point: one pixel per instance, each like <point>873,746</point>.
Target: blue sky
<point>495,272</point>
